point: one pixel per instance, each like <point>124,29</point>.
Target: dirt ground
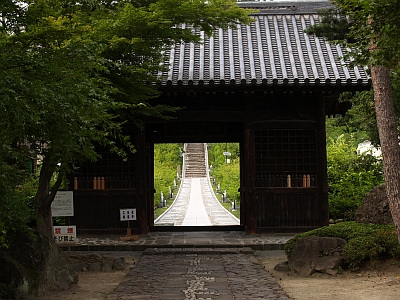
<point>382,281</point>
<point>91,286</point>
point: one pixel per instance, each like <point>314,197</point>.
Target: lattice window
<point>109,172</point>
<point>286,157</point>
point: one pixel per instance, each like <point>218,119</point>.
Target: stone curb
<point>163,251</point>
<point>174,246</point>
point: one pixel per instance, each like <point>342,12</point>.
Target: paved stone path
<point>189,274</point>
<point>198,239</point>
<point>194,265</point>
<point>196,205</point>
<point>196,214</point>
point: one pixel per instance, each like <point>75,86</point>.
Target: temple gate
<point>268,86</point>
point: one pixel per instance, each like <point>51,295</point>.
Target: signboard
<point>65,234</point>
<point>127,214</point>
<point>63,204</point>
<point>227,153</point>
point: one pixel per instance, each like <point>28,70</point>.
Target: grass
<point>228,207</point>
<point>159,211</point>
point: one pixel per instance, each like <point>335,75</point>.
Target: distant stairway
<point>195,161</point>
<point>196,204</point>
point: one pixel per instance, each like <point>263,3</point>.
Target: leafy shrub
<point>379,245</point>
<point>364,241</point>
<point>350,176</point>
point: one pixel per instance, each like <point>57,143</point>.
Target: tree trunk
<point>390,148</point>
<point>44,197</point>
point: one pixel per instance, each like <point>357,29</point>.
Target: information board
<point>127,214</point>
<point>63,204</point>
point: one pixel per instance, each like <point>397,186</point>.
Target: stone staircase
<point>195,161</point>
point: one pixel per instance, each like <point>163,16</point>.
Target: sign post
<point>63,206</point>
<point>227,154</point>
<point>128,214</point>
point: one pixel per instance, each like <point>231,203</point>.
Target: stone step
<point>195,160</point>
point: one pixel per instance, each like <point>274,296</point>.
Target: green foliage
<point>380,244</point>
<point>166,161</point>
<point>350,176</point>
<point>360,119</point>
<point>365,242</point>
<point>333,26</point>
<point>7,292</point>
<point>216,157</point>
<point>368,25</point>
<point>336,127</point>
<point>16,202</point>
<point>73,72</point>
<point>227,175</point>
<point>373,39</point>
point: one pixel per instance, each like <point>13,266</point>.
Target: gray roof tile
<point>271,50</point>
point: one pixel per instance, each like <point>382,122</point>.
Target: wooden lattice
<point>109,172</point>
<point>286,157</point>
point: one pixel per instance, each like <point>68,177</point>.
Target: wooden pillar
<point>141,176</point>
<point>150,183</point>
<point>322,162</point>
<point>249,170</point>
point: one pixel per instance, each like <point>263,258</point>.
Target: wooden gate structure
<point>268,86</point>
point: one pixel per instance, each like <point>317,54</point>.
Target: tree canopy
<point>369,29</point>
<point>72,72</point>
<point>362,117</point>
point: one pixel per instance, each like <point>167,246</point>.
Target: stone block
<point>317,254</point>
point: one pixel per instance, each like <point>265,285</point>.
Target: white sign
<point>65,234</point>
<point>63,204</point>
<point>227,153</point>
<point>127,214</point>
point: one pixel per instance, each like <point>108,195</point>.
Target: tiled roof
<point>272,50</point>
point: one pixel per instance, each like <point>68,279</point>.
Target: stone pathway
<point>202,265</point>
<point>196,205</point>
<point>196,214</point>
<point>189,274</point>
<point>198,239</point>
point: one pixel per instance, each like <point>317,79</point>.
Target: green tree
<point>16,199</point>
<point>227,175</point>
<point>72,71</point>
<point>373,32</point>
<point>166,161</point>
<point>361,117</point>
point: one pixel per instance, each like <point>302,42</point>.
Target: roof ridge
<point>286,6</point>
